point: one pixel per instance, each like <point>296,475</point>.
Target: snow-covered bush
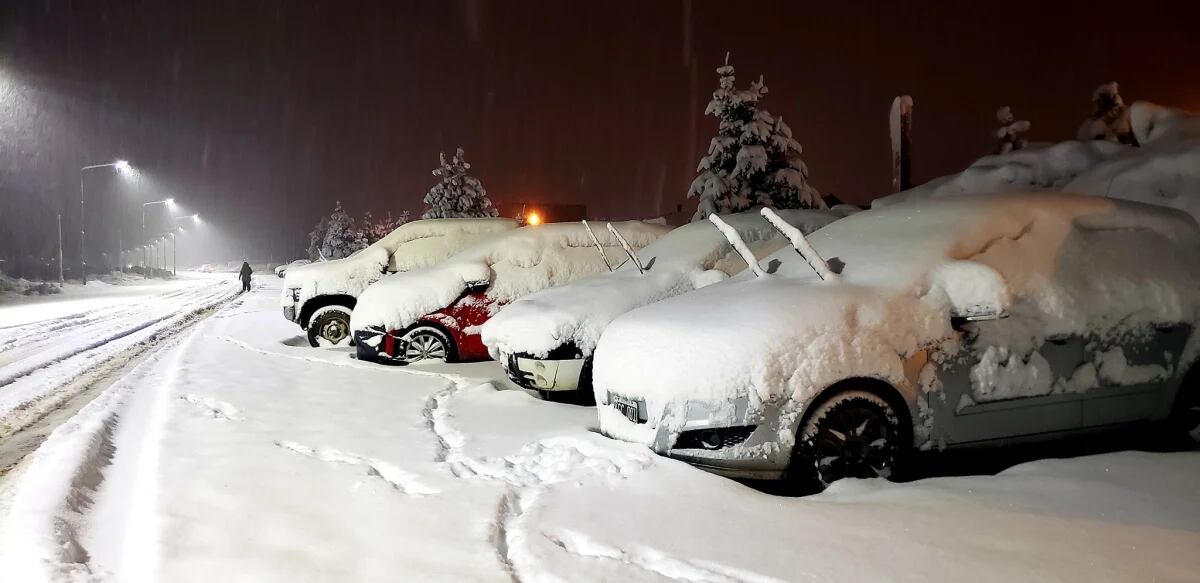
<point>1010,131</point>
<point>458,194</point>
<point>1110,117</point>
<point>753,160</point>
<point>376,229</point>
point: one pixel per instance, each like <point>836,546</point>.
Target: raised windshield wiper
<point>801,244</point>
<point>599,247</point>
<point>628,250</point>
<point>738,244</point>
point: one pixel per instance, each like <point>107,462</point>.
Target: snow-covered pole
<point>801,244</point>
<point>628,250</point>
<point>599,247</point>
<point>738,244</point>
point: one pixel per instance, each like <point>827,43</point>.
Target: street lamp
<point>124,169</point>
<point>175,240</point>
<point>170,202</point>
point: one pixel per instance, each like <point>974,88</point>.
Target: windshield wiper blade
<point>599,247</point>
<point>628,250</point>
<point>738,244</point>
<point>801,245</point>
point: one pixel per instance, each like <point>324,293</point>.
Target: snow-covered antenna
<point>739,245</point>
<point>628,250</point>
<point>599,247</point>
<point>801,244</point>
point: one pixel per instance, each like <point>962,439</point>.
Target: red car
<point>435,313</point>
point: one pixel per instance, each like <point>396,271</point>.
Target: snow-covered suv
<point>321,296</point>
<point>435,313</point>
<point>972,320</point>
<point>545,340</point>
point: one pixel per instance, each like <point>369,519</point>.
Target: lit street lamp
<point>122,168</point>
<point>170,202</point>
<point>175,240</point>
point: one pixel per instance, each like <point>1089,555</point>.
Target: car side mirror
<point>975,292</point>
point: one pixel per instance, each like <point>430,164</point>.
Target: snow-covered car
<point>545,340</point>
<point>320,297</point>
<point>435,313</point>
<point>966,321</point>
<point>283,269</point>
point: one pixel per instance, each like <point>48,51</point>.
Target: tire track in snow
<point>217,409</point>
<point>397,478</point>
<point>654,561</point>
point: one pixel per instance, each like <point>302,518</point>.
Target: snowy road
<point>237,453</point>
<point>62,348</point>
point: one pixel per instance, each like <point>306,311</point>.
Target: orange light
<point>533,218</point>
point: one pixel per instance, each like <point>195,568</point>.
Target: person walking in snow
<point>245,275</point>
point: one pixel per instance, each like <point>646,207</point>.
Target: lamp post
<point>170,202</point>
<point>122,167</point>
<point>175,240</point>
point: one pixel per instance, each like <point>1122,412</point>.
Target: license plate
<point>627,407</point>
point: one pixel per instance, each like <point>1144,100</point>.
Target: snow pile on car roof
<point>690,257</point>
<point>790,334</point>
<point>411,246</point>
<point>511,264</point>
<point>1164,170</point>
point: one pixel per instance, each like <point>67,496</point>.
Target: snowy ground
<point>237,453</point>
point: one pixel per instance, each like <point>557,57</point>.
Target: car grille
<point>724,437</point>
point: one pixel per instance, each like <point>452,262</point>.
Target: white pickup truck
<point>321,296</point>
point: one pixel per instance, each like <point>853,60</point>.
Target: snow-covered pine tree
<point>753,159</point>
<point>1110,117</point>
<point>1010,131</point>
<point>342,235</point>
<point>786,185</point>
<point>316,238</point>
<point>458,194</point>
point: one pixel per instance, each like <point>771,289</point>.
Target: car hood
<point>578,313</point>
<point>762,339</point>
<point>349,276</point>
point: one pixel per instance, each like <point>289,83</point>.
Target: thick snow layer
<point>325,469</point>
<point>510,264</point>
<point>1165,170</point>
<point>412,246</point>
<point>690,257</point>
<point>1040,167</point>
<point>1072,264</point>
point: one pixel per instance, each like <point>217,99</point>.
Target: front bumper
<point>377,345</point>
<point>546,374</point>
<point>728,439</point>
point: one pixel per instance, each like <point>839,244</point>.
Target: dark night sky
<point>256,109</point>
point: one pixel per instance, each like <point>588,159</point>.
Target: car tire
<point>427,343</point>
<point>852,434</point>
<point>329,326</point>
<point>1184,424</point>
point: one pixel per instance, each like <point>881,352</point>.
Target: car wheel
<point>329,326</point>
<point>426,343</point>
<point>854,434</point>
